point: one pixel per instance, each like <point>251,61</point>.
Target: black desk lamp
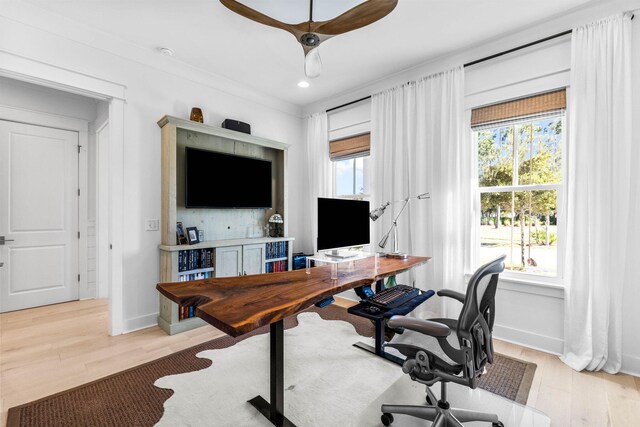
<point>377,213</point>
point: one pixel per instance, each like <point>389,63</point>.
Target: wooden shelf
<point>221,132</point>
<point>277,259</point>
<point>237,246</point>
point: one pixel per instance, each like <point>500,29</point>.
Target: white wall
<point>150,94</point>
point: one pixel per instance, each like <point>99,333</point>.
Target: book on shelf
<point>194,259</point>
<point>276,266</point>
<point>277,250</point>
<point>195,276</point>
<point>186,312</point>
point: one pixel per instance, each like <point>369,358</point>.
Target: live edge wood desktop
<point>238,305</point>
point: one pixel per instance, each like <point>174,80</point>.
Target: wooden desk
<point>237,305</point>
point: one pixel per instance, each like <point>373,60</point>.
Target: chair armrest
<point>427,327</point>
<point>451,294</point>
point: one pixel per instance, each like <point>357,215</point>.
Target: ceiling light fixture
<point>303,84</point>
<point>311,34</point>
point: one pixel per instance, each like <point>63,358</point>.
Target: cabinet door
<point>253,259</point>
<point>228,261</point>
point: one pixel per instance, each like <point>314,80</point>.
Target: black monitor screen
<point>218,180</point>
<point>342,223</point>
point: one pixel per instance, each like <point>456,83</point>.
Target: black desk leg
<point>378,350</point>
<point>274,411</point>
<point>379,286</point>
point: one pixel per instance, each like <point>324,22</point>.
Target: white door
<point>253,259</point>
<point>38,216</point>
<point>228,261</point>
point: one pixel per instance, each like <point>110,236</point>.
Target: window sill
<point>529,285</point>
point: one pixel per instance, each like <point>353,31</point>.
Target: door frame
<point>32,71</point>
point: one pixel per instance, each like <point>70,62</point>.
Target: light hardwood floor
<point>49,349</point>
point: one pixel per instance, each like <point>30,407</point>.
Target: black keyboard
<point>393,297</point>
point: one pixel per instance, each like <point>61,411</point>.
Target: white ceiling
<point>206,35</point>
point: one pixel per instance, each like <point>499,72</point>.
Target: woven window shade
<point>529,106</point>
<point>354,146</point>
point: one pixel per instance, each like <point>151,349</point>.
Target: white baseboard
<point>528,339</point>
<point>630,365</point>
<point>140,322</point>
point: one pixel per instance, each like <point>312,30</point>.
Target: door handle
<point>2,240</point>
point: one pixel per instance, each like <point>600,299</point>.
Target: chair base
<point>440,414</point>
<point>440,417</point>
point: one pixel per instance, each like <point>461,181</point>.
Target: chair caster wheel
<point>429,401</point>
<point>387,419</point>
<point>498,424</point>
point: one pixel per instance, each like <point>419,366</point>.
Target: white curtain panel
<point>599,189</point>
<point>419,144</point>
<point>320,176</point>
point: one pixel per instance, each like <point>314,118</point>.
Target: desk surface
<point>237,305</point>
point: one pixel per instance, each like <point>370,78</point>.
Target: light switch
<point>152,225</point>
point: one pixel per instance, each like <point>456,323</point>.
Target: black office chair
<point>465,358</point>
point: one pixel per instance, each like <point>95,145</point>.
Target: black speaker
<point>237,126</point>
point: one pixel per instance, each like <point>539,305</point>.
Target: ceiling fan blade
<point>362,15</point>
<point>256,16</point>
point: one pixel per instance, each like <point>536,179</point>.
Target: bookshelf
<point>235,244</point>
<point>180,263</point>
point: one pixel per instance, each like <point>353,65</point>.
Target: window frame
<point>559,187</point>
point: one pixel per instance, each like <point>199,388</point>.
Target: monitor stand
<point>342,254</point>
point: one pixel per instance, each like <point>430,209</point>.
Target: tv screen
<point>218,180</point>
<point>342,223</point>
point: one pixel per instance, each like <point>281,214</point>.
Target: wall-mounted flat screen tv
<point>219,180</point>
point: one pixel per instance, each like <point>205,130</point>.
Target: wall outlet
<point>152,225</point>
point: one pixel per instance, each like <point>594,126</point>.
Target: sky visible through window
<point>349,176</point>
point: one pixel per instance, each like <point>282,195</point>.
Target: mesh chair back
<point>475,324</point>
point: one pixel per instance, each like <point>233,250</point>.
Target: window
<point>519,179</point>
<point>350,158</point>
<point>349,177</point>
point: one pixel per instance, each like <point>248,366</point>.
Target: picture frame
<point>192,235</point>
<point>181,237</point>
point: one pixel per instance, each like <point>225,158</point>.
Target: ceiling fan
<point>311,34</point>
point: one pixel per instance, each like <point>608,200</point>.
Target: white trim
<point>31,117</point>
<point>102,214</point>
<point>527,187</point>
<point>33,71</point>
<point>531,286</point>
<point>528,339</point>
<point>140,322</point>
<point>116,215</point>
<point>83,216</point>
<point>630,365</point>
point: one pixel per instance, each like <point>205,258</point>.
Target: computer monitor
<point>342,223</point>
